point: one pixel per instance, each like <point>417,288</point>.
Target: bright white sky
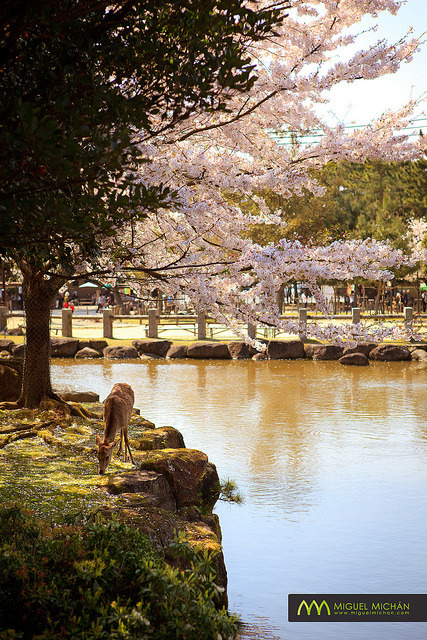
<point>362,101</point>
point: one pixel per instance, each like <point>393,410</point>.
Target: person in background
<point>346,303</point>
<point>398,301</point>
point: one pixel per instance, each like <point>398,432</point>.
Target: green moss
<point>57,475</point>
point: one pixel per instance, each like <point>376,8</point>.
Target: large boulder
<point>419,354</point>
<point>285,349</point>
<point>98,345</point>
<point>120,352</point>
<point>160,438</point>
<point>209,486</point>
<point>79,396</point>
<point>177,351</point>
<point>324,351</point>
<point>390,353</point>
<point>361,347</point>
<point>239,350</point>
<point>358,359</point>
<point>88,352</point>
<point>152,346</point>
<point>208,350</point>
<point>63,347</point>
<point>10,383</point>
<point>162,528</point>
<point>148,483</point>
<point>183,469</point>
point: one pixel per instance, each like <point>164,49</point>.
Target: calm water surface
<point>332,462</point>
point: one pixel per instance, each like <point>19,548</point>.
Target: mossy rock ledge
<point>171,492</point>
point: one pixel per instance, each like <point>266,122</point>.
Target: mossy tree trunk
<point>39,292</point>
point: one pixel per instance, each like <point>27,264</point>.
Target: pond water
<point>332,463</point>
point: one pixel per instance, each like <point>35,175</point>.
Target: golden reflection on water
<point>331,460</point>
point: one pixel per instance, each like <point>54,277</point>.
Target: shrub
<point>101,580</point>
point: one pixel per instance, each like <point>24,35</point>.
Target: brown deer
<point>117,412</point>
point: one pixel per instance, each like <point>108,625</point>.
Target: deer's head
<point>105,452</point>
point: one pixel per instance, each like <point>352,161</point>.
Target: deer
<point>117,413</point>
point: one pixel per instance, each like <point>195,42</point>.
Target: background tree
<point>375,199</point>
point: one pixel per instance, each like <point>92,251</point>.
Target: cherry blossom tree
<point>196,246</point>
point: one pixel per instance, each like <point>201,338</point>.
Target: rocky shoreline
<point>150,349</point>
<point>11,354</point>
<point>170,496</point>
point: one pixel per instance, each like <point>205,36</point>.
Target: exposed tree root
<point>22,431</point>
<point>25,426</point>
<point>51,414</point>
<point>52,403</point>
<point>20,435</point>
<point>15,429</point>
<point>74,409</point>
<point>10,406</point>
<point>78,411</point>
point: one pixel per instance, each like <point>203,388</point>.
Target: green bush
<point>101,580</point>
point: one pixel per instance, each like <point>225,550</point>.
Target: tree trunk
<point>378,296</point>
<point>38,294</point>
<point>280,298</point>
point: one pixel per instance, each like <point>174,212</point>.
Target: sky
<point>361,102</point>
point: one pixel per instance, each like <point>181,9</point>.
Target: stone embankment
<point>151,349</point>
<point>171,494</point>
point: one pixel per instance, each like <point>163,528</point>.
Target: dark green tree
<point>81,83</point>
<point>373,199</point>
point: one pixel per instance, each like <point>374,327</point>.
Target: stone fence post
<point>201,325</point>
<point>408,315</point>
<point>355,315</point>
<point>107,323</point>
<point>67,323</point>
<point>251,330</point>
<point>152,323</point>
<point>303,323</point>
<point>3,319</point>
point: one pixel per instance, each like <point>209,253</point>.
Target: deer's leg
<point>127,446</point>
<point>125,436</point>
<point>120,444</point>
